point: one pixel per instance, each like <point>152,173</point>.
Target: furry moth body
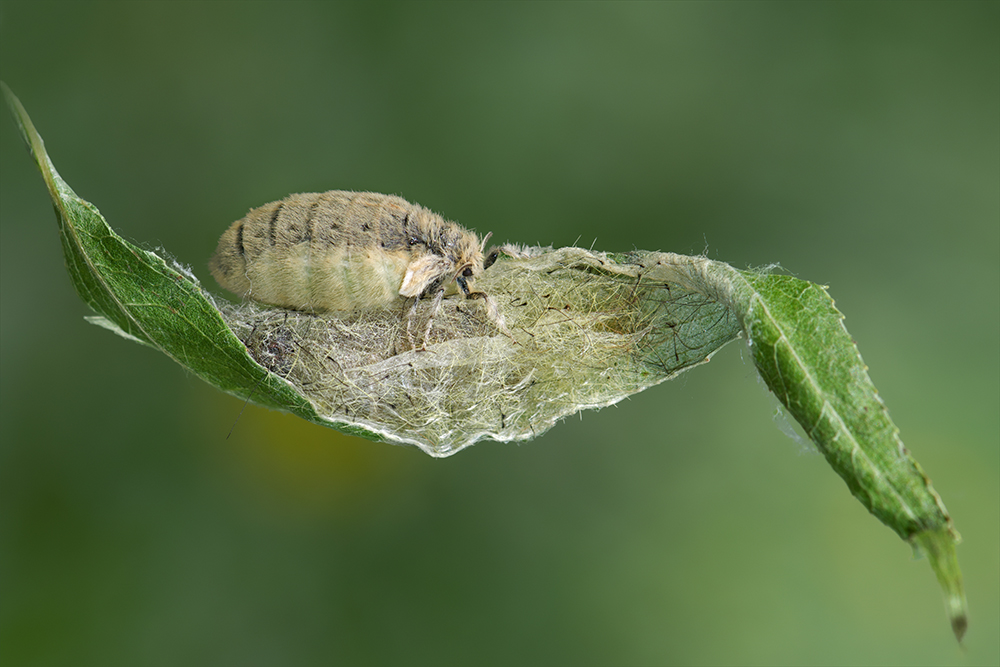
<point>342,250</point>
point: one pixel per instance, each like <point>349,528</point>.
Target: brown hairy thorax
<point>341,250</point>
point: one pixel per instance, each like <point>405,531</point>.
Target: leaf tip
<point>939,546</point>
<point>34,142</point>
<point>959,624</point>
<point>8,94</point>
<point>16,110</point>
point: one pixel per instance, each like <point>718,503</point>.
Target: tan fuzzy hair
<point>342,250</point>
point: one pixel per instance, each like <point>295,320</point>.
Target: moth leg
<point>409,316</point>
<point>435,307</point>
<point>492,312</point>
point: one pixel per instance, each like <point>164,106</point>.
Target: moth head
<point>463,279</point>
<point>477,264</point>
<point>460,260</point>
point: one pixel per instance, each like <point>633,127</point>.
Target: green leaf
<point>572,329</point>
<point>806,357</point>
<point>139,296</point>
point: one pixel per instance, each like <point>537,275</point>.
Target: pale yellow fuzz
<point>331,280</point>
<point>344,251</point>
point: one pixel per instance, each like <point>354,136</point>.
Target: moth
<point>341,250</point>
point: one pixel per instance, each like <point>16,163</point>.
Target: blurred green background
<point>856,144</point>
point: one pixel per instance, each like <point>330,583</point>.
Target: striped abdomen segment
<point>329,251</point>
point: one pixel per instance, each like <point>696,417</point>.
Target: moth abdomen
<point>342,250</point>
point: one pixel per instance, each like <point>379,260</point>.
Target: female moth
<point>344,251</point>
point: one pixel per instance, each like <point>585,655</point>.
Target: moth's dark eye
<point>491,257</point>
<point>414,240</point>
<point>468,272</point>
